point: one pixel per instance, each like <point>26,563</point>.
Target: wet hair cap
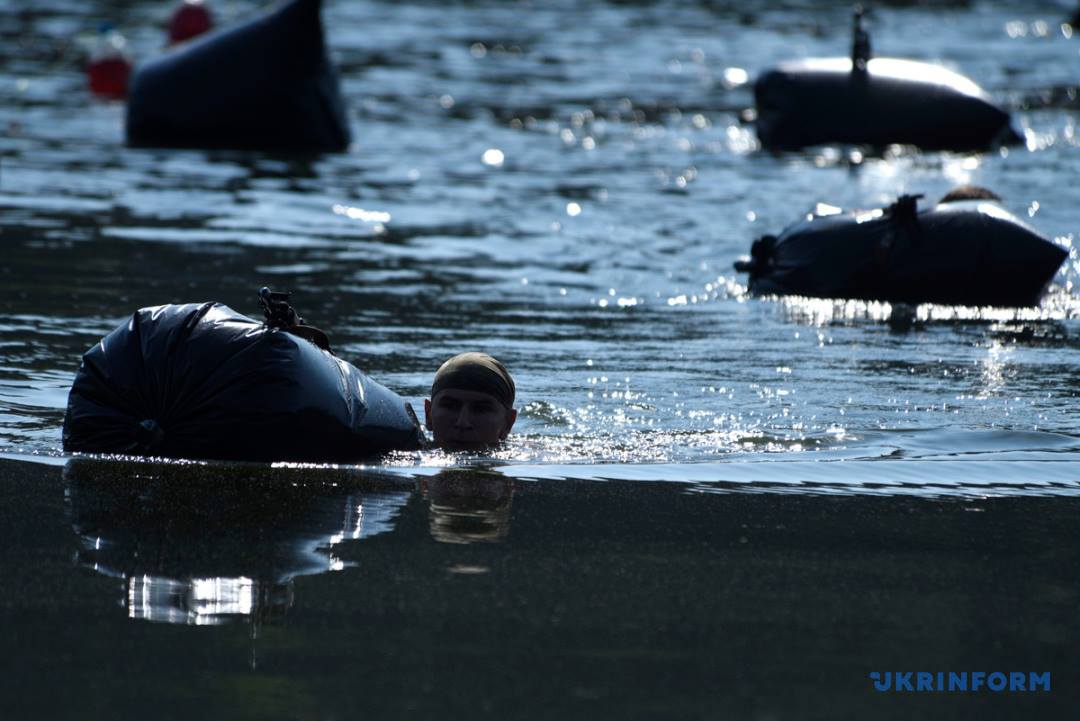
<point>475,372</point>
<point>969,192</point>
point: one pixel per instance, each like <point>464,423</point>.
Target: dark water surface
<point>466,594</point>
<point>722,507</point>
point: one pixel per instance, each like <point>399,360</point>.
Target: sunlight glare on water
<point>551,186</point>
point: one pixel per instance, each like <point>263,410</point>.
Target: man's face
<point>467,420</point>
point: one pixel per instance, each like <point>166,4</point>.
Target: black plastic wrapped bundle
<point>266,84</point>
<point>814,102</point>
<point>956,253</point>
<point>877,102</point>
<point>202,381</point>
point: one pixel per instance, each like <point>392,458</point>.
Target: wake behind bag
<point>202,381</point>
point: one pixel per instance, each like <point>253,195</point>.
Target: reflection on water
<point>994,368</point>
<point>468,506</point>
<point>825,311</point>
<point>202,544</point>
<point>205,601</point>
<point>606,597</point>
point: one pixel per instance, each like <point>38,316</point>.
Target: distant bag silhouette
<point>265,84</point>
<point>205,382</point>
<point>875,101</point>
<point>958,253</point>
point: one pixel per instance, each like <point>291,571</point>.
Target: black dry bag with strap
<point>202,381</point>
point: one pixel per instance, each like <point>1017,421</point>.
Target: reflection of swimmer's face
<point>468,508</point>
<point>467,420</point>
<point>469,492</point>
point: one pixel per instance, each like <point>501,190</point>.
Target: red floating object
<point>109,67</point>
<point>109,77</point>
<point>189,20</point>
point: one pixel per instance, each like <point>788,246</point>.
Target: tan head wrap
<point>476,372</point>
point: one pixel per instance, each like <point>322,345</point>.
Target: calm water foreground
<point>326,594</point>
<point>713,506</point>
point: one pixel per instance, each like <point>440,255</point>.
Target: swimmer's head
<point>472,403</point>
<point>968,192</point>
